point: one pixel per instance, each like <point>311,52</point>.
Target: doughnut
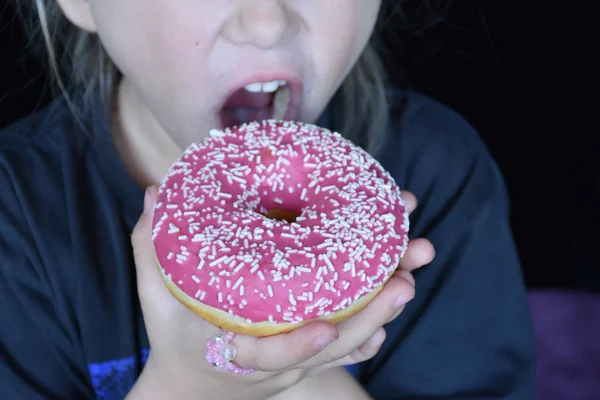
<point>264,227</point>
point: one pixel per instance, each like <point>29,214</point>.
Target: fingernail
<point>147,202</point>
<point>402,300</point>
<point>323,341</point>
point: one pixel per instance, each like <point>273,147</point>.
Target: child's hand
<point>177,368</point>
<point>420,252</point>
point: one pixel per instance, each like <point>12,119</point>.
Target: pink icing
<point>214,243</point>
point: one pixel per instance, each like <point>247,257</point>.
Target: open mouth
<point>258,101</point>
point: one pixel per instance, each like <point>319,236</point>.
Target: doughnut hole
<point>280,214</point>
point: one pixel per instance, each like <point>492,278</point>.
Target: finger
<point>407,276</point>
<point>410,200</point>
<point>368,349</point>
<point>364,352</point>
<point>361,326</point>
<point>397,292</point>
<point>281,352</point>
<point>420,252</point>
<point>150,283</point>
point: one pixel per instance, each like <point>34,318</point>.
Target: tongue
<point>244,99</point>
<point>231,117</point>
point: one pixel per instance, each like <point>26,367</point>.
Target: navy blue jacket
<point>70,321</point>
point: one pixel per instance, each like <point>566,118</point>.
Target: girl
<point>85,316</point>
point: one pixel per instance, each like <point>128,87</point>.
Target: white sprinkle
<point>217,261</point>
<point>261,276</point>
<point>215,133</point>
<point>238,282</point>
<point>329,264</point>
<point>318,286</point>
<point>238,268</point>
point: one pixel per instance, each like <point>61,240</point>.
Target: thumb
<point>284,351</point>
<point>148,277</point>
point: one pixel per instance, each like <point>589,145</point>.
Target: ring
<point>220,353</point>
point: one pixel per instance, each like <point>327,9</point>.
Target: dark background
<point>515,70</point>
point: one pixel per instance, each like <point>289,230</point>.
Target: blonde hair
<point>361,103</point>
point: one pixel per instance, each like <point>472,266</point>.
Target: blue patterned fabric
<point>113,379</point>
<point>353,369</point>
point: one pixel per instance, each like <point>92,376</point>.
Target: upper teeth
<point>267,87</point>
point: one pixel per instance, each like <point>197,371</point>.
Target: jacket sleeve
<point>39,353</point>
<point>467,334</point>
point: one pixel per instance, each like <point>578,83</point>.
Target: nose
<point>262,23</point>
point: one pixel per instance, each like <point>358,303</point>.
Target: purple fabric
<point>567,326</point>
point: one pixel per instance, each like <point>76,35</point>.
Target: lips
<point>260,99</point>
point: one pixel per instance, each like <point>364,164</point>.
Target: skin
<point>179,60</point>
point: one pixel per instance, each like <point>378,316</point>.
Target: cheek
<point>341,35</point>
<point>155,45</point>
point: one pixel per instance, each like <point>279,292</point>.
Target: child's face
<point>185,58</point>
